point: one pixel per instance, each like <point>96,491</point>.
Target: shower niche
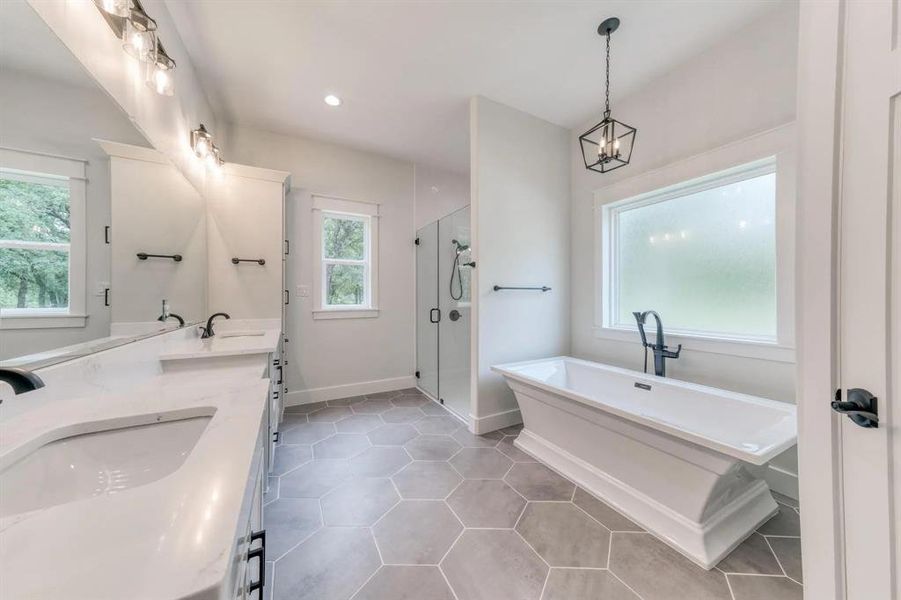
<point>443,311</point>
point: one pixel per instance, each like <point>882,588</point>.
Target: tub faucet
<point>21,380</point>
<point>661,352</point>
<point>208,330</point>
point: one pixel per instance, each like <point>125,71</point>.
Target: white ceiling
<point>27,44</point>
<point>406,70</point>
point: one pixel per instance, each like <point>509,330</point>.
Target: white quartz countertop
<point>224,343</point>
<point>171,538</point>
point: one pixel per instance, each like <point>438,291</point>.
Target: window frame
<point>49,169</point>
<point>368,213</point>
<point>769,152</point>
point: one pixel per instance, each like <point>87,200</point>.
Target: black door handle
<point>432,313</point>
<point>455,315</point>
<point>259,553</point>
<point>861,407</point>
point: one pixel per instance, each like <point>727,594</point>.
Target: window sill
<point>41,321</point>
<point>772,351</point>
<point>346,313</point>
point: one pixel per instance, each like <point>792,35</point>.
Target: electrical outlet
<point>303,291</point>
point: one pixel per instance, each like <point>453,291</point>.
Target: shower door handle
<point>455,315</point>
<point>432,315</point>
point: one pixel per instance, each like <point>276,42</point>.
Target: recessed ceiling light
<point>333,100</point>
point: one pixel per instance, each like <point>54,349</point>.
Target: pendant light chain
<point>607,80</point>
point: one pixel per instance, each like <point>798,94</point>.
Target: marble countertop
<point>236,342</point>
<point>170,538</point>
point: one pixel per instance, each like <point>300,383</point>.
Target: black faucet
<point>661,352</point>
<point>164,318</point>
<point>208,330</point>
<point>20,379</point>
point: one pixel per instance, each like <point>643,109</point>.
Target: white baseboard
<point>349,389</point>
<point>782,481</point>
<point>488,423</point>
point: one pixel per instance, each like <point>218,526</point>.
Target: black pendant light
<point>607,145</point>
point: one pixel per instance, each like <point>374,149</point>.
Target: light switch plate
<point>100,287</point>
<point>303,291</point>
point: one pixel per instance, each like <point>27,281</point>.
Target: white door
<point>869,298</point>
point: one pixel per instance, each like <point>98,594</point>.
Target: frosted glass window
<point>704,257</point>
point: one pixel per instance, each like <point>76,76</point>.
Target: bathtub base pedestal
<point>703,542</point>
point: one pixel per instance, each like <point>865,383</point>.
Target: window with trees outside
<point>345,260</point>
<point>42,240</point>
<point>35,239</point>
<point>347,265</point>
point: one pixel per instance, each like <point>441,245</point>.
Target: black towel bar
<point>145,256</point>
<point>259,261</point>
<point>543,288</point>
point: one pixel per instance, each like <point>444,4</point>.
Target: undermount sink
<point>97,464</point>
<point>235,334</point>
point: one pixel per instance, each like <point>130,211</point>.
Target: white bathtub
<point>683,460</point>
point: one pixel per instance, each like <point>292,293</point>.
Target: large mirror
<point>97,229</point>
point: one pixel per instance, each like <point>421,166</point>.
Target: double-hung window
<point>347,245</point>
<point>42,240</point>
<point>701,253</point>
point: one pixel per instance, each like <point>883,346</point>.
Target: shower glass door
<point>427,309</point>
<point>443,274</point>
<point>454,257</point>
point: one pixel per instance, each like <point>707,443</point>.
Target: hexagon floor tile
<point>424,480</point>
<point>486,503</point>
<point>378,461</point>
<point>406,583</point>
<point>341,445</point>
<point>494,564</point>
<point>358,502</point>
<point>397,514</point>
<point>403,414</point>
<point>314,479</point>
<point>332,564</point>
<point>481,463</point>
<point>288,521</point>
<point>416,532</point>
<point>564,536</point>
<point>537,482</point>
<point>329,414</point>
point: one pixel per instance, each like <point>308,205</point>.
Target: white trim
<point>368,213</point>
<point>133,152</point>
<point>495,421</point>
<point>41,163</point>
<point>45,320</point>
<point>346,313</point>
<point>347,390</point>
<point>738,160</point>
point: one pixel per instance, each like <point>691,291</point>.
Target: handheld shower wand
<point>459,248</point>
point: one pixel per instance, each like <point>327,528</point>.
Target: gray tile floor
<point>387,497</point>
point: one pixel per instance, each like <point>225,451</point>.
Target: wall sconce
<point>204,148</point>
<point>116,8</point>
<point>140,36</point>
<point>159,73</point>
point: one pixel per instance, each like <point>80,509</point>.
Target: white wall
<point>342,357</point>
<point>439,192</point>
<point>41,115</point>
<point>743,86</point>
<point>157,211</point>
<point>521,219</point>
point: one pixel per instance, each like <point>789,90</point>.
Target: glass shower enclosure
<point>443,275</point>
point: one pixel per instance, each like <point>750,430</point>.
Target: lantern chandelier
<point>607,145</point>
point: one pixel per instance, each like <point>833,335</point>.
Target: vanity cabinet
<point>249,557</point>
<point>276,392</point>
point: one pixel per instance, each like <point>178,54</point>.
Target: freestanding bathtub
<point>685,461</point>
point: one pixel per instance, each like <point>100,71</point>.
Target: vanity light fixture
<point>116,8</point>
<point>332,100</point>
<point>159,73</point>
<point>139,36</point>
<point>607,145</point>
<point>204,148</point>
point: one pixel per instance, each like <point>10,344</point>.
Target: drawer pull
<point>259,553</point>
